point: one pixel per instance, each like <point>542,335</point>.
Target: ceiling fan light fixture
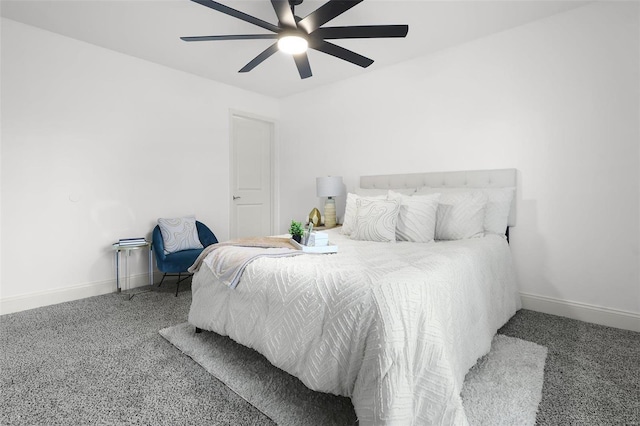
<point>293,44</point>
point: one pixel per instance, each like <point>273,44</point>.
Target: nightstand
<point>118,248</point>
<point>322,227</point>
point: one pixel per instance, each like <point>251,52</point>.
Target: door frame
<point>274,175</point>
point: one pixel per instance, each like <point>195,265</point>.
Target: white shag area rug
<point>503,388</point>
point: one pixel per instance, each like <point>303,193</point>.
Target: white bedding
<point>393,326</point>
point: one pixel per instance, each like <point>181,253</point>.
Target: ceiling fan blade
<point>231,37</point>
<point>364,31</point>
<point>325,13</point>
<point>260,58</point>
<point>284,13</point>
<point>237,14</point>
<point>302,62</point>
<point>340,52</point>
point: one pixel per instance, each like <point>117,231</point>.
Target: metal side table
<point>118,248</point>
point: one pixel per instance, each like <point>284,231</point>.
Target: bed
<point>394,326</point>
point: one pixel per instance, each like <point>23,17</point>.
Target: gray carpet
<point>101,361</point>
<point>592,374</point>
<point>516,365</point>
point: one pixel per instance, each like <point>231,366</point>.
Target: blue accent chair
<point>176,264</point>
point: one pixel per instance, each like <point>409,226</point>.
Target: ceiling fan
<point>294,34</point>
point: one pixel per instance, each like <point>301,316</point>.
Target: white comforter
<point>393,326</point>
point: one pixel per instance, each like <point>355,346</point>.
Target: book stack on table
<point>131,242</point>
<point>318,239</point>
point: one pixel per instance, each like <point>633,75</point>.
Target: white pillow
<point>460,215</point>
<point>373,192</point>
<point>376,220</point>
<point>179,234</point>
<point>350,210</point>
<point>417,217</point>
<point>498,205</point>
<point>496,217</point>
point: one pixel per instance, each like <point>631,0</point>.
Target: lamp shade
<point>330,186</point>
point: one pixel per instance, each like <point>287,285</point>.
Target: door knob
<point>236,198</point>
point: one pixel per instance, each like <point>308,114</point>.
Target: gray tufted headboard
<point>498,178</point>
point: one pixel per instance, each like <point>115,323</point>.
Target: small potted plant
<point>296,230</point>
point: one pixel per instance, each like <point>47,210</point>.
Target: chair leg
<point>162,280</point>
<point>178,284</point>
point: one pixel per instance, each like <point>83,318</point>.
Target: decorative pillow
<point>498,205</point>
<point>496,217</point>
<point>460,215</point>
<point>349,220</point>
<point>376,220</point>
<point>417,217</point>
<point>373,192</point>
<point>179,234</point>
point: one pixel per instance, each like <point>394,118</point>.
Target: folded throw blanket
<point>228,263</point>
<point>229,259</point>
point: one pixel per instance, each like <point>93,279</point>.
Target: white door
<point>252,143</point>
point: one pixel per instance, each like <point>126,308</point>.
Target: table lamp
<point>330,186</point>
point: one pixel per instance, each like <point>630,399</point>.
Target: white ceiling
<point>150,30</point>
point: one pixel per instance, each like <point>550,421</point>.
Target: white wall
<point>558,99</point>
<point>96,146</point>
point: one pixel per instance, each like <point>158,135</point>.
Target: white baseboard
<point>33,300</point>
<point>582,311</point>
